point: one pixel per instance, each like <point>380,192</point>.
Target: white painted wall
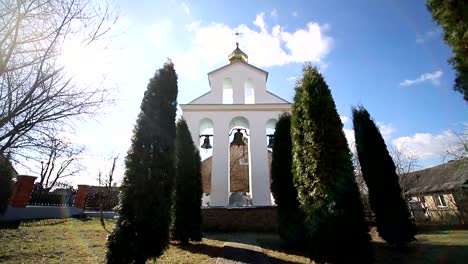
<point>239,73</point>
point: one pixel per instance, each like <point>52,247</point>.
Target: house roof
<point>445,177</point>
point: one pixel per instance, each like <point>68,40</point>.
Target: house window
<point>439,200</point>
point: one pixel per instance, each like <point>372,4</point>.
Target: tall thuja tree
<point>142,231</point>
<point>290,217</point>
<point>188,188</point>
<point>379,172</point>
<point>323,176</point>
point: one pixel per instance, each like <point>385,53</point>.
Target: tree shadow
<point>241,255</point>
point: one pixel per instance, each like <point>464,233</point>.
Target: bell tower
<point>238,102</point>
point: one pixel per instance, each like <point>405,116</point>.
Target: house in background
<point>438,195</point>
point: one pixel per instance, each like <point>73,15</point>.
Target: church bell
<point>206,143</point>
<point>238,139</point>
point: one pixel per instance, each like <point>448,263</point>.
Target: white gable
<point>242,83</point>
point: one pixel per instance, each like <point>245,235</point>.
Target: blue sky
<point>388,56</point>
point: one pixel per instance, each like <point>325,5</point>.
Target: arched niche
<point>239,121</point>
<point>249,92</point>
<point>228,93</point>
<point>205,127</point>
<point>270,128</point>
<point>239,164</point>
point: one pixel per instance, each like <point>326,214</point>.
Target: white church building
<point>238,99</point>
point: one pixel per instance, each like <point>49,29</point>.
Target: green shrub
<point>323,175</point>
<point>290,217</point>
<point>188,187</point>
<point>142,231</point>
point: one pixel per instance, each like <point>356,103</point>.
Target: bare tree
<point>459,150</point>
<point>62,160</point>
<point>37,97</point>
<point>103,194</point>
<point>405,162</point>
<point>361,183</point>
<point>107,180</point>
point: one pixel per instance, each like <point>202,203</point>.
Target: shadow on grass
<point>420,253</point>
<point>241,255</point>
<point>417,252</point>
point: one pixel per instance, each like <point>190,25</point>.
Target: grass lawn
<point>83,241</point>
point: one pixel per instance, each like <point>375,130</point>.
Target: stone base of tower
<point>246,219</point>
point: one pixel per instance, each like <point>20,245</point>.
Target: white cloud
<point>344,119</point>
<point>186,8</point>
<point>430,34</point>
<point>426,145</point>
<point>349,133</point>
<point>266,46</point>
<point>386,130</point>
<point>260,22</point>
<point>274,13</point>
<point>291,78</point>
<point>159,31</point>
<point>433,77</point>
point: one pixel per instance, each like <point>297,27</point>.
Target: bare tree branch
<point>37,97</point>
<point>459,150</point>
<point>62,160</point>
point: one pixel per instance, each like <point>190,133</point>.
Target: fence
<point>442,216</point>
<point>105,198</point>
<point>61,194</point>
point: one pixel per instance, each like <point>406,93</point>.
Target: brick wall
<point>260,219</point>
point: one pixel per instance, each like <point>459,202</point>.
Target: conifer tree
<point>323,175</point>
<point>188,187</point>
<point>452,16</point>
<point>6,185</point>
<point>142,231</point>
<point>379,172</point>
<point>290,217</point>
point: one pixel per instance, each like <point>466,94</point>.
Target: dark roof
<point>445,177</point>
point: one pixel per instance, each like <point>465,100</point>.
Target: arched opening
<point>249,92</point>
<point>206,130</point>
<point>270,128</point>
<point>228,96</point>
<point>239,160</point>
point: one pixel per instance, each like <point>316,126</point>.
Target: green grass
<point>83,241</point>
<point>78,241</point>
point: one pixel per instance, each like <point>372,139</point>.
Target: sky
<point>388,56</point>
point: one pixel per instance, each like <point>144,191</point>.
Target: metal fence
<point>107,199</point>
<point>46,198</point>
<point>61,194</point>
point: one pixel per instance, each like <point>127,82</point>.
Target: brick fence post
<point>22,192</point>
<point>81,195</point>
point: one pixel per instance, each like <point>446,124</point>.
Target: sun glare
<point>82,61</point>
